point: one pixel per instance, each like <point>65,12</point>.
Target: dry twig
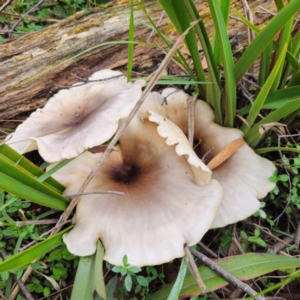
<point>20,282</point>
<point>191,117</point>
<point>235,281</point>
<point>5,5</point>
<point>194,269</point>
<point>206,249</point>
<point>297,236</point>
<point>95,192</point>
<point>235,241</point>
<point>28,12</point>
<point>279,246</point>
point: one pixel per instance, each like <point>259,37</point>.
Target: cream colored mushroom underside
<point>244,177</point>
<point>161,212</point>
<point>78,118</point>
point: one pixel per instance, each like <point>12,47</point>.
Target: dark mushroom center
<point>126,173</point>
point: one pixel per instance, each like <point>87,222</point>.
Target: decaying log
<point>32,66</point>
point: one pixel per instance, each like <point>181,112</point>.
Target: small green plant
<point>253,240</point>
<point>129,274</point>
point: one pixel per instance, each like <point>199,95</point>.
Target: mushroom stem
<point>225,153</point>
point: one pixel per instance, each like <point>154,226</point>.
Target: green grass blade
<point>295,47</point>
<point>276,99</point>
<point>81,288</point>
<point>174,294</point>
<point>29,255</point>
<point>177,13</point>
<point>131,45</point>
<point>21,183</point>
<point>54,169</point>
<point>264,38</point>
<point>289,56</point>
<point>274,116</point>
<point>98,273</point>
<point>213,92</point>
<point>277,286</point>
<point>225,9</point>
<point>244,267</point>
<point>26,164</point>
<point>280,4</point>
<point>272,149</point>
<point>264,67</point>
<point>167,41</point>
<point>295,79</point>
<point>285,40</point>
<point>296,44</point>
<point>261,97</point>
<point>229,93</point>
<point>5,216</point>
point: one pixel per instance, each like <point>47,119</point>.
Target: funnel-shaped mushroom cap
<point>244,177</point>
<point>163,207</point>
<point>81,117</point>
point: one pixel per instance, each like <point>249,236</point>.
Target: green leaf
<point>274,116</point>
<point>46,291</point>
<point>229,92</point>
<point>271,149</point>
<point>261,97</point>
<point>123,271</point>
<point>243,234</point>
<point>17,181</point>
<point>142,280</point>
<point>117,269</point>
<point>98,275</point>
<point>131,38</point>
<point>277,286</point>
<point>174,294</point>
<point>81,288</point>
<point>134,269</point>
<point>54,169</point>
<point>180,17</point>
<point>125,261</point>
<point>244,267</point>
<point>283,177</point>
<point>258,241</point>
<point>264,38</point>
<point>276,99</point>
<point>111,287</point>
<point>284,41</point>
<point>290,57</point>
<point>128,282</point>
<point>29,255</point>
<point>225,9</point>
<point>213,92</point>
<point>26,164</point>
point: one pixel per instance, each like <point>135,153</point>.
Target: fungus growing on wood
<point>78,118</point>
<point>165,204</point>
<point>244,176</point>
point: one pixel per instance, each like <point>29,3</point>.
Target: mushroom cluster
<point>171,197</point>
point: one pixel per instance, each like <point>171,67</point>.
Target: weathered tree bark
<point>33,65</point>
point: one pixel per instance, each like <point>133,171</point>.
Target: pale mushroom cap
<point>244,177</point>
<point>78,118</point>
<point>163,208</point>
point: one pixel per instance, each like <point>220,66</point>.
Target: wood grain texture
<point>22,61</point>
